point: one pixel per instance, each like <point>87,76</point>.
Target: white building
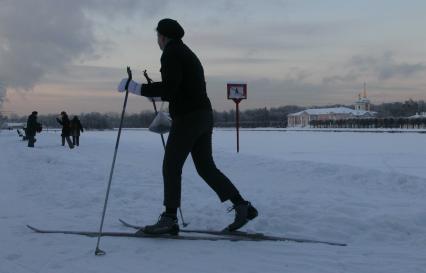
<point>362,110</point>
<point>363,103</point>
<point>302,118</point>
<point>419,115</point>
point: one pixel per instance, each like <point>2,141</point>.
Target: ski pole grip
<point>129,73</point>
<point>148,79</point>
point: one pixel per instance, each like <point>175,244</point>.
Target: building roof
<point>336,110</point>
<point>362,100</point>
<point>419,115</point>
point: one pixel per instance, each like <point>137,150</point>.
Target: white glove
<point>133,87</point>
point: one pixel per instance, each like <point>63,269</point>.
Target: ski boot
<point>166,224</point>
<point>244,212</point>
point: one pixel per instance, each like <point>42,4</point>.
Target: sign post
<point>237,92</point>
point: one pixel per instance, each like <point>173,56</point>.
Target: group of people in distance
<point>70,128</point>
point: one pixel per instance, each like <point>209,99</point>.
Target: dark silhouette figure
<point>76,128</point>
<point>66,129</point>
<point>183,85</point>
<point>33,126</point>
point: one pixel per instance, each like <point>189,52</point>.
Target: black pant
<point>76,140</point>
<point>192,133</point>
<point>31,141</point>
<point>68,141</point>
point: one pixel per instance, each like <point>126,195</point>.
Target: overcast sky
<point>70,55</point>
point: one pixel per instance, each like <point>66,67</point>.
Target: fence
<point>398,123</point>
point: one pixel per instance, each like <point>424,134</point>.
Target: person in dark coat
<point>66,129</point>
<point>183,86</point>
<point>33,126</point>
<point>76,128</point>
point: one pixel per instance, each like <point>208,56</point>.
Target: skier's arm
<point>137,88</point>
<point>171,74</point>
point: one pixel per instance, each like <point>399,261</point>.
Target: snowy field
<point>364,189</point>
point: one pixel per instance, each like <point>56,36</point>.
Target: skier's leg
<point>178,147</point>
<point>202,156</point>
<point>203,159</point>
<point>206,168</point>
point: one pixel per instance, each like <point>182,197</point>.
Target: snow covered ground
<point>364,189</point>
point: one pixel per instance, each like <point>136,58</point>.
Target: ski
<point>242,234</point>
<point>134,235</point>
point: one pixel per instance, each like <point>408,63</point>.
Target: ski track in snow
<point>343,187</point>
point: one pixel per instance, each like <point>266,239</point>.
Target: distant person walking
<point>66,129</point>
<point>76,128</point>
<point>33,126</point>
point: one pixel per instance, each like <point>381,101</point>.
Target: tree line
<point>388,114</point>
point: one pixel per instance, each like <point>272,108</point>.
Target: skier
<point>183,86</point>
<point>76,128</point>
<point>65,122</point>
<point>32,128</point>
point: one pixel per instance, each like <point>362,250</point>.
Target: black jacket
<point>65,122</point>
<point>183,84</point>
<point>76,127</point>
<point>32,125</point>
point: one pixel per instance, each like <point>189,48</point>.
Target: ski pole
<point>98,251</point>
<point>149,80</point>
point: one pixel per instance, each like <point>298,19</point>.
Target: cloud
<point>296,87</point>
<point>2,93</point>
<point>350,77</point>
<point>265,36</point>
<point>244,60</point>
<point>385,67</point>
<point>379,68</point>
<point>38,37</point>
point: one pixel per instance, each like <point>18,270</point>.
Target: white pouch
<point>161,123</point>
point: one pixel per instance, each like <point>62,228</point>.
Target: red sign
<point>237,91</point>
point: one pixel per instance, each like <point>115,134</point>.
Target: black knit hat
<point>170,28</point>
<point>34,113</point>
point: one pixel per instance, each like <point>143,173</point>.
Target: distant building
<point>303,118</point>
<point>363,103</point>
<point>419,115</point>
